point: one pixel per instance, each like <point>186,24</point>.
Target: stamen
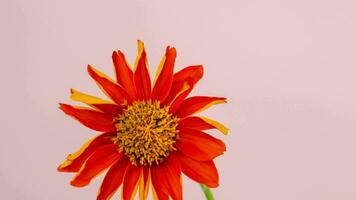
<point>146,132</point>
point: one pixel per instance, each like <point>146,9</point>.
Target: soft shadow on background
<point>287,68</point>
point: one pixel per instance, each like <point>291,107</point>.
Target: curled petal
<point>201,123</point>
<point>75,161</point>
<point>144,183</point>
<point>109,87</point>
<point>203,172</point>
<point>141,75</point>
<point>124,74</point>
<point>95,120</point>
<point>164,76</point>
<point>189,75</point>
<point>113,179</point>
<point>197,104</point>
<point>96,102</point>
<point>179,98</point>
<point>101,159</point>
<point>199,145</point>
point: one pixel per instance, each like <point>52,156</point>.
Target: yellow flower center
<point>146,133</point>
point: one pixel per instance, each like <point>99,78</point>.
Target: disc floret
<point>146,132</point>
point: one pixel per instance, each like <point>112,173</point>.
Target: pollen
<point>146,132</point>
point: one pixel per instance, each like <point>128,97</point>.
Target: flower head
<point>148,135</point>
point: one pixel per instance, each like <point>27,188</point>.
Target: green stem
<point>208,194</point>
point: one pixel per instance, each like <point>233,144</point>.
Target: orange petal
<point>167,177</point>
<point>101,159</point>
<point>109,87</point>
<point>75,161</point>
<point>113,179</point>
<point>201,123</point>
<point>189,75</point>
<point>164,76</point>
<point>197,104</point>
<point>131,182</point>
<point>181,95</point>
<point>199,145</point>
<point>141,75</point>
<point>203,172</point>
<point>144,183</point>
<point>95,120</point>
<point>124,74</point>
<point>96,102</point>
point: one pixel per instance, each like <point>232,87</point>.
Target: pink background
<point>287,68</point>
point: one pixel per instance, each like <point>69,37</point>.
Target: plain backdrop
<point>287,68</point>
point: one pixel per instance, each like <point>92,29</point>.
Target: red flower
<point>149,134</point>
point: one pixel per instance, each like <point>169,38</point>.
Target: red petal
<point>113,179</point>
<point>203,172</point>
<point>190,75</point>
<point>109,87</point>
<point>124,74</point>
<point>112,109</point>
<point>101,159</point>
<point>194,122</point>
<point>201,123</point>
<point>197,104</point>
<point>158,194</point>
<point>75,161</point>
<point>95,120</point>
<point>141,76</point>
<point>167,177</point>
<point>199,145</point>
<point>158,181</point>
<point>164,76</point>
<point>146,173</point>
<point>192,72</point>
<point>132,177</point>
